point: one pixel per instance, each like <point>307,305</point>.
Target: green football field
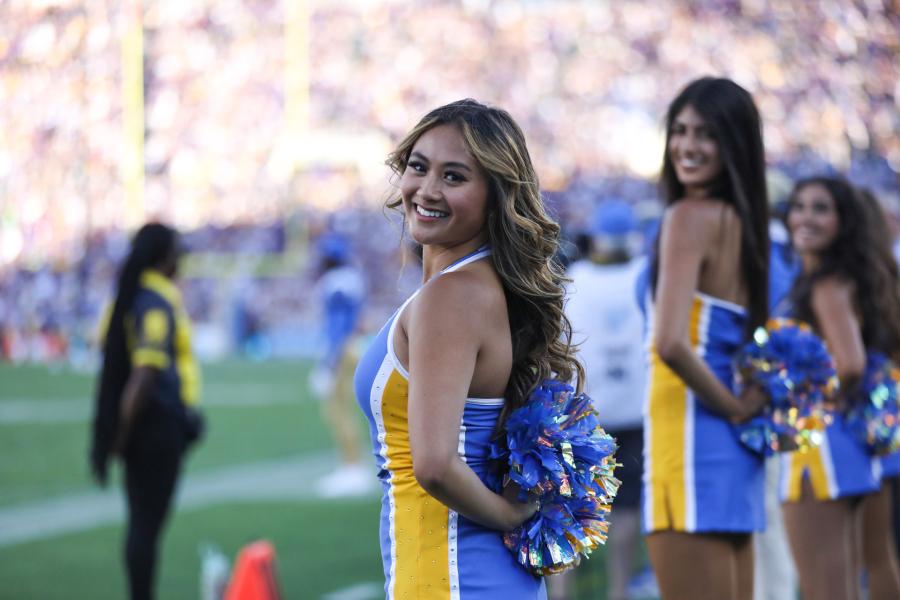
<point>257,414</point>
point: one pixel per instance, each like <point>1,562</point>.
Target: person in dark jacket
<point>146,399</point>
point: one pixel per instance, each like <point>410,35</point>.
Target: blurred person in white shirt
<point>608,327</point>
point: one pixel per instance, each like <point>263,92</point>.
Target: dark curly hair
<point>860,253</point>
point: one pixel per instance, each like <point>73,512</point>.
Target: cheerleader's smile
<point>430,213</point>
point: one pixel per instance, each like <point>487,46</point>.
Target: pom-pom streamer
<point>792,366</point>
<point>557,451</point>
<point>873,415</point>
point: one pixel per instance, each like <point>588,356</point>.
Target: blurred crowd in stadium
<point>587,80</point>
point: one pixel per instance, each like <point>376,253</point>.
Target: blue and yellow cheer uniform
<point>839,467</point>
<point>429,551</point>
<point>698,477</point>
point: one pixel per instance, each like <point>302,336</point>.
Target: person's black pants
<point>151,471</point>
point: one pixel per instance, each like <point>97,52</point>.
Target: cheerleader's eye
<point>416,166</point>
<point>454,177</point>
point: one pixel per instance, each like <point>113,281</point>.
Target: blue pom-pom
<point>559,534</point>
<point>792,366</point>
<point>873,416</point>
<point>557,451</point>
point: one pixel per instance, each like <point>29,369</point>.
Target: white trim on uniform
<point>723,303</point>
<point>376,396</point>
<point>390,338</point>
<point>784,474</point>
<point>477,255</point>
<point>647,489</point>
<point>453,526</point>
<point>486,401</point>
<point>690,414</point>
<point>828,467</point>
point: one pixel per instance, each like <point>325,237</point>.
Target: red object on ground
<point>253,577</point>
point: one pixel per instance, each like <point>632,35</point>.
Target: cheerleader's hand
<point>752,400</point>
<point>520,511</point>
<point>842,399</point>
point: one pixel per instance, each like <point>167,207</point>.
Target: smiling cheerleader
<point>703,490</point>
<point>848,296</point>
<point>461,354</point>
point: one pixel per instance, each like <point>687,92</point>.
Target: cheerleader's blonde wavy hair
<point>524,240</point>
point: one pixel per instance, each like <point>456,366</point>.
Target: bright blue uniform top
<point>427,550</point>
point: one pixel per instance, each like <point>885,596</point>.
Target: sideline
<point>284,478</point>
<point>360,591</point>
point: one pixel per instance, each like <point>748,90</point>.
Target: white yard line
<point>359,591</point>
<point>15,411</point>
<point>287,478</point>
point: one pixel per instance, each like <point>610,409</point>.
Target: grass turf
<point>320,547</point>
<point>255,411</point>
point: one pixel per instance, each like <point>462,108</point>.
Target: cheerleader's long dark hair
<point>860,253</point>
<point>153,244</point>
<point>733,121</point>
